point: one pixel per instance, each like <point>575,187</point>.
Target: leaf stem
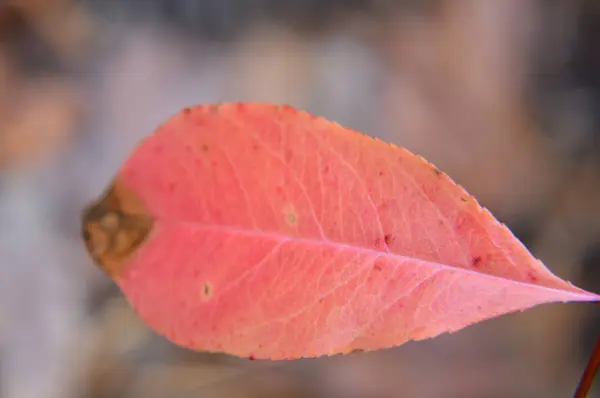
<point>589,374</point>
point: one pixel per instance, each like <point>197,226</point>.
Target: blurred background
<point>503,95</point>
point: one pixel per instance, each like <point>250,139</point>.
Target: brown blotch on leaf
<point>114,227</point>
<point>290,215</point>
<point>389,239</point>
<point>437,171</point>
<point>476,262</point>
<point>186,111</point>
<point>207,291</point>
<point>464,199</point>
<point>205,147</point>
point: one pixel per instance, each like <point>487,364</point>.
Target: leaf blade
<point>281,235</point>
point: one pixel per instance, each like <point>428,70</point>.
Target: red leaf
<point>265,232</point>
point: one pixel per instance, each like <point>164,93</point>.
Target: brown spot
<point>476,261</point>
<point>114,227</point>
<point>291,217</point>
<point>381,173</point>
<point>357,351</point>
<point>464,199</point>
<point>252,357</point>
<point>207,291</point>
<point>205,147</point>
<point>437,171</point>
<point>389,239</point>
<point>377,267</point>
<point>186,111</point>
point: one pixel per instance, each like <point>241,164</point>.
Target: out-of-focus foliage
<point>509,86</point>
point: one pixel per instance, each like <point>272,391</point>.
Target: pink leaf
<point>262,231</point>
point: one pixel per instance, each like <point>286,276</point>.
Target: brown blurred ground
<point>502,95</point>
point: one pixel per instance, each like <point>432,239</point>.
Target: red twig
<point>589,374</point>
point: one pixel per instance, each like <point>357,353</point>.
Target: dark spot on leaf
<point>357,351</point>
<point>381,173</point>
<point>251,357</point>
<point>476,262</point>
<point>436,171</point>
<point>326,169</point>
<point>377,267</point>
<point>321,301</point>
<point>186,111</point>
<point>464,199</point>
<point>389,238</point>
<point>207,291</point>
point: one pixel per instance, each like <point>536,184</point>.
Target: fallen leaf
<point>265,232</point>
